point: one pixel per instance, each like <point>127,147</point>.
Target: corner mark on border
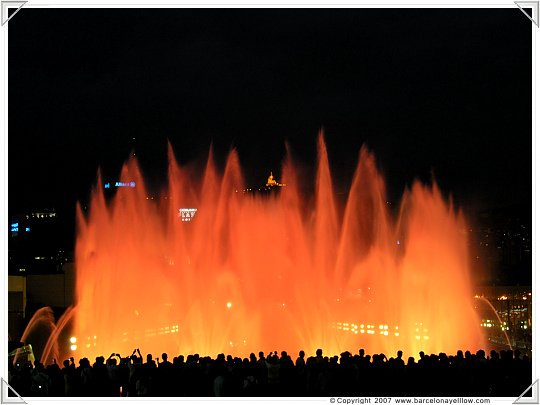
<point>531,4</point>
<point>5,398</point>
<point>529,400</point>
<point>10,4</point>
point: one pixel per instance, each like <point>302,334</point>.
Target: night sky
<point>430,91</point>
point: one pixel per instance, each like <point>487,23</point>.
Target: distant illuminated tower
<point>271,182</point>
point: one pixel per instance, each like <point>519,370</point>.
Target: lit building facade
<point>39,243</point>
<point>500,244</point>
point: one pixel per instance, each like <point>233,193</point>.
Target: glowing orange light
<point>240,244</point>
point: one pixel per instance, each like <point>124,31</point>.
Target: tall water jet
<point>211,269</point>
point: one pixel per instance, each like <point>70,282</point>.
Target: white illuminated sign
<point>187,214</point>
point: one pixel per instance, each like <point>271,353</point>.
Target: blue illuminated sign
<point>120,184</point>
<point>15,227</point>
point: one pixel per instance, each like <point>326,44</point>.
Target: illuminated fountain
<point>251,272</point>
<point>39,330</point>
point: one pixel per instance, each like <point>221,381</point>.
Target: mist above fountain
<point>276,272</point>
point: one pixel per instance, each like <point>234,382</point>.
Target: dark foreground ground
<point>505,374</point>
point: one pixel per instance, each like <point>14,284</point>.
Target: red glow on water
<point>250,273</point>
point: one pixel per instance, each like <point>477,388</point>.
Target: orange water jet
<point>252,272</point>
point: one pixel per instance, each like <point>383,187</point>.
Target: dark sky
<point>443,91</point>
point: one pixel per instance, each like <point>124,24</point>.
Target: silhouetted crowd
<point>504,374</point>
